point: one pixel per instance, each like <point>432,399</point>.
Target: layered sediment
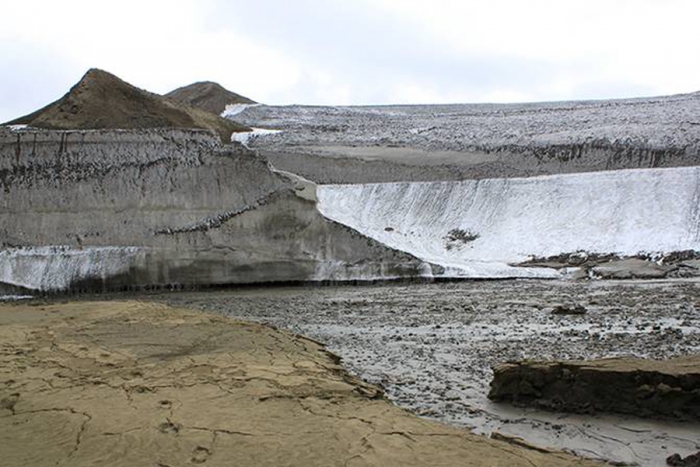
<point>641,387</point>
<point>109,209</point>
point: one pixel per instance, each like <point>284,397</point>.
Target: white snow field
<point>476,228</point>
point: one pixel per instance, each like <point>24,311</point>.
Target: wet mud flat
<point>432,347</point>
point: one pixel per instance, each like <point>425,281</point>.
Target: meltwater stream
<point>477,228</point>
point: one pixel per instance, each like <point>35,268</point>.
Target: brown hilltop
<point>208,96</point>
<point>101,100</point>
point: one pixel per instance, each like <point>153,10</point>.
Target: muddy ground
<point>432,347</point>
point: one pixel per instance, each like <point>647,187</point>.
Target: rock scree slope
<point>102,100</point>
<point>136,384</point>
<point>208,96</point>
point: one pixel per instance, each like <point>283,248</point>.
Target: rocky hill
<point>101,100</point>
<point>208,96</point>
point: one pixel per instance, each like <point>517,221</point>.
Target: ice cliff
<point>106,209</point>
<point>476,228</point>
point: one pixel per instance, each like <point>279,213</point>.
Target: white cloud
<point>361,51</point>
<point>646,43</point>
<point>156,45</point>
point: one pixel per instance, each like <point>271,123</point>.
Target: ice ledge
<point>57,268</point>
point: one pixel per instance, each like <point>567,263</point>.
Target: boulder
<point>642,387</point>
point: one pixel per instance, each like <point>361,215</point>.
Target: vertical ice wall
<point>53,268</point>
<point>105,209</point>
<point>479,226</point>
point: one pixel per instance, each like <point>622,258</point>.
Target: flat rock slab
<point>136,384</point>
<point>643,387</point>
<point>631,268</point>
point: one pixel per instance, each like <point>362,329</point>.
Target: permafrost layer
<point>476,228</point>
<point>94,210</point>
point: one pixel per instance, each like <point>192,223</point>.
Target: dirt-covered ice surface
<point>432,347</point>
<point>366,144</point>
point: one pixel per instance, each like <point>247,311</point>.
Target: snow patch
<point>235,109</point>
<point>12,298</point>
<point>14,128</point>
<point>246,137</point>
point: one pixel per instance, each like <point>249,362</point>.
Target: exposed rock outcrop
<point>642,387</point>
<point>676,460</point>
<point>208,96</point>
<point>612,266</point>
<point>101,100</point>
<point>109,209</point>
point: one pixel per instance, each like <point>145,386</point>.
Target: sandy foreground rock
<point>130,383</point>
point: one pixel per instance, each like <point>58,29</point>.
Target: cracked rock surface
<point>137,384</point>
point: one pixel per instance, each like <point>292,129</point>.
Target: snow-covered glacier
<point>478,228</point>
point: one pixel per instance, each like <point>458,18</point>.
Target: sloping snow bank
<point>477,227</point>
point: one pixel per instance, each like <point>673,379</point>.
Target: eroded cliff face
<point>107,209</point>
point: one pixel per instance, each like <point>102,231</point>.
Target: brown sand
<point>137,384</point>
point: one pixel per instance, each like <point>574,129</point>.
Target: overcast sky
<point>354,51</point>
